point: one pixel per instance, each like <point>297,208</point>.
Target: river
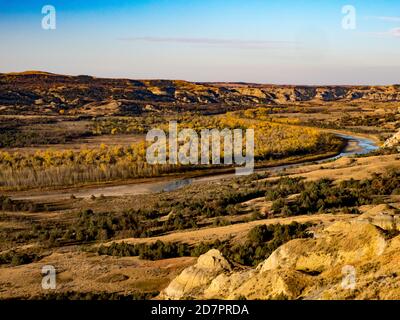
<point>355,145</point>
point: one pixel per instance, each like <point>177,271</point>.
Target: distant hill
<point>34,92</point>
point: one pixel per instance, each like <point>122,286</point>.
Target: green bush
<point>261,242</point>
<point>155,251</point>
<point>73,295</point>
<point>18,258</point>
<point>323,195</point>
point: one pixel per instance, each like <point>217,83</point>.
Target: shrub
<point>261,242</point>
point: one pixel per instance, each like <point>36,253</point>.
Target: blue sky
<point>283,42</point>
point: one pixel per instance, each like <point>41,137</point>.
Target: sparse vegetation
<point>155,251</point>
<point>18,258</point>
<point>261,242</point>
<point>324,195</point>
<point>75,295</point>
<point>63,134</point>
<point>18,133</point>
<point>7,204</point>
<point>215,207</point>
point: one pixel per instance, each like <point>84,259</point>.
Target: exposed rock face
<point>193,280</point>
<point>30,91</point>
<point>303,268</point>
<point>393,141</point>
<point>342,243</point>
<point>383,216</point>
<point>105,108</point>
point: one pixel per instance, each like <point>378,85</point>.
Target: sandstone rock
<point>382,216</point>
<point>252,92</point>
<point>225,285</point>
<point>297,269</point>
<point>213,260</point>
<point>104,107</point>
<point>341,243</point>
<point>193,280</point>
<point>393,141</point>
<point>277,284</point>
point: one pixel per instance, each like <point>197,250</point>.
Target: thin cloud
<point>394,33</point>
<point>384,18</point>
<point>237,43</point>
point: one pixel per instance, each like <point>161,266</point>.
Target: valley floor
<point>82,271</point>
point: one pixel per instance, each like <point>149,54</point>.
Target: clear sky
<point>283,42</point>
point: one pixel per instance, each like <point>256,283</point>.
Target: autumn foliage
<point>273,140</point>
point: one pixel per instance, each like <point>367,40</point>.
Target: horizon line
<point>41,72</point>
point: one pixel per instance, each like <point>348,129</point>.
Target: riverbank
<point>354,145</point>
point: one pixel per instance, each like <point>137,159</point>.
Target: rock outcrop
<point>193,280</point>
<point>383,216</point>
<point>34,92</point>
<point>303,268</point>
<point>393,141</point>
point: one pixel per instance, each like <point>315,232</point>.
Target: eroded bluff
<point>314,268</point>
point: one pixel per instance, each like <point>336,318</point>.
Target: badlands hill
<point>40,92</point>
<point>354,259</point>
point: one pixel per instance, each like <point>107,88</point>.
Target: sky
<point>259,41</point>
